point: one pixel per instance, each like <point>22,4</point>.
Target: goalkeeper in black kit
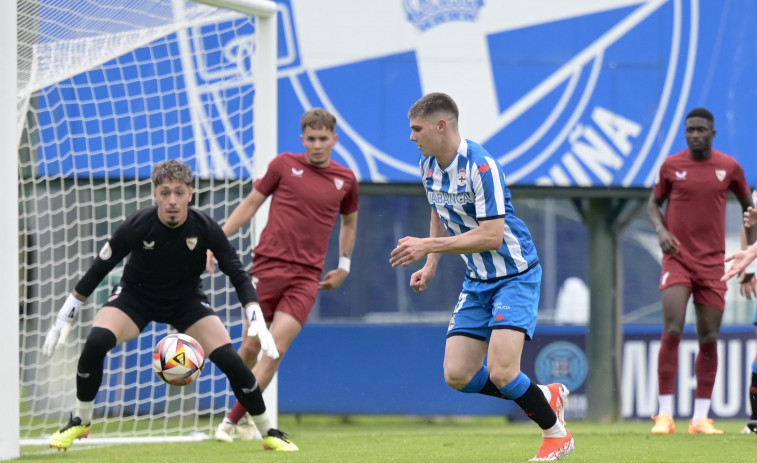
<point>167,244</point>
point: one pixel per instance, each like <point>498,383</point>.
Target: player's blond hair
<point>318,118</point>
<point>171,170</point>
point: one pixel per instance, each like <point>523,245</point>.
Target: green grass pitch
<point>403,439</point>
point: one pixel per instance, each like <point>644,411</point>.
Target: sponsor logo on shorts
<point>664,279</point>
<point>451,323</point>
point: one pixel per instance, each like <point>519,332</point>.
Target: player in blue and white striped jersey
<point>496,311</point>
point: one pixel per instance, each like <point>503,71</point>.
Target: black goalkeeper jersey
<point>166,263</point>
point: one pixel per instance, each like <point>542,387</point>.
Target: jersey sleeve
<point>739,186</point>
<point>661,188</point>
<point>229,263</point>
<point>113,252</point>
<point>270,180</point>
<point>350,202</point>
<point>489,189</point>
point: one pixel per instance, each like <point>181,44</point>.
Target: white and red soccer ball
<point>178,359</point>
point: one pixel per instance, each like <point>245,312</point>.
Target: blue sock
<point>517,387</point>
<point>754,367</point>
<point>477,382</point>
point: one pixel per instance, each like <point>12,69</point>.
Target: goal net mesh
<point>107,89</point>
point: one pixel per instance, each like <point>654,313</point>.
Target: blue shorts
<point>509,303</point>
<point>755,316</point>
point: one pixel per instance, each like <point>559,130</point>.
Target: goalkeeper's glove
<point>58,333</point>
<point>258,329</point>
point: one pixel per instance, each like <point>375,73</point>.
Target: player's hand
<point>668,242</point>
<point>58,333</point>
<point>408,251</point>
<point>748,285</point>
<point>741,260</point>
<point>259,330</point>
<point>210,263</point>
<point>333,279</point>
<point>419,280</point>
<point>750,217</point>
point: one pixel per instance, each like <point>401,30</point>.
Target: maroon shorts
<point>707,290</point>
<point>283,286</point>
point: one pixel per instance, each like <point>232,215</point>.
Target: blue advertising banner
<point>579,93</point>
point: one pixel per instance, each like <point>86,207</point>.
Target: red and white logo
<point>339,183</point>
<point>720,174</point>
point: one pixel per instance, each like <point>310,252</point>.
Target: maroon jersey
<point>697,192</point>
<point>305,205</point>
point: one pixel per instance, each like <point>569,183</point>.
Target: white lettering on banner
<point>589,150</point>
<point>729,396</point>
<point>687,381</point>
<point>727,403</point>
<point>639,375</point>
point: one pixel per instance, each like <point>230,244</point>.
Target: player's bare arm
<point>746,206</point>
<point>487,237</point>
<point>240,217</point>
<point>347,234</point>
<point>668,242</point>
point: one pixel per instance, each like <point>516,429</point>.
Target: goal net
<point>107,89</point>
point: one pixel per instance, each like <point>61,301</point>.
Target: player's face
<point>424,132</point>
<point>318,145</point>
<point>699,134</point>
<point>173,198</point>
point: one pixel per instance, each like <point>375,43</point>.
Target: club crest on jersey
<point>462,177</point>
<point>105,252</point>
<point>720,174</point>
<point>297,172</point>
<point>338,183</point>
<point>192,242</point>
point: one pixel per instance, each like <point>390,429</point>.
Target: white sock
<point>558,430</point>
<point>666,404</point>
<point>84,411</point>
<point>701,409</point>
<point>262,423</point>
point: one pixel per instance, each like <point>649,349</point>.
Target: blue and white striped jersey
<point>472,189</point>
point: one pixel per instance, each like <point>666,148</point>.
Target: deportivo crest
<point>338,183</point>
<point>462,177</point>
<point>425,14</point>
<point>192,242</point>
<point>720,174</point>
<point>562,123</point>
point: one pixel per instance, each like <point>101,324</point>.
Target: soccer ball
<point>178,359</point>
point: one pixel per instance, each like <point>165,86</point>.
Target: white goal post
<point>106,89</point>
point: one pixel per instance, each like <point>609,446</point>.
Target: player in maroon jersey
<point>309,191</point>
<point>695,183</point>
